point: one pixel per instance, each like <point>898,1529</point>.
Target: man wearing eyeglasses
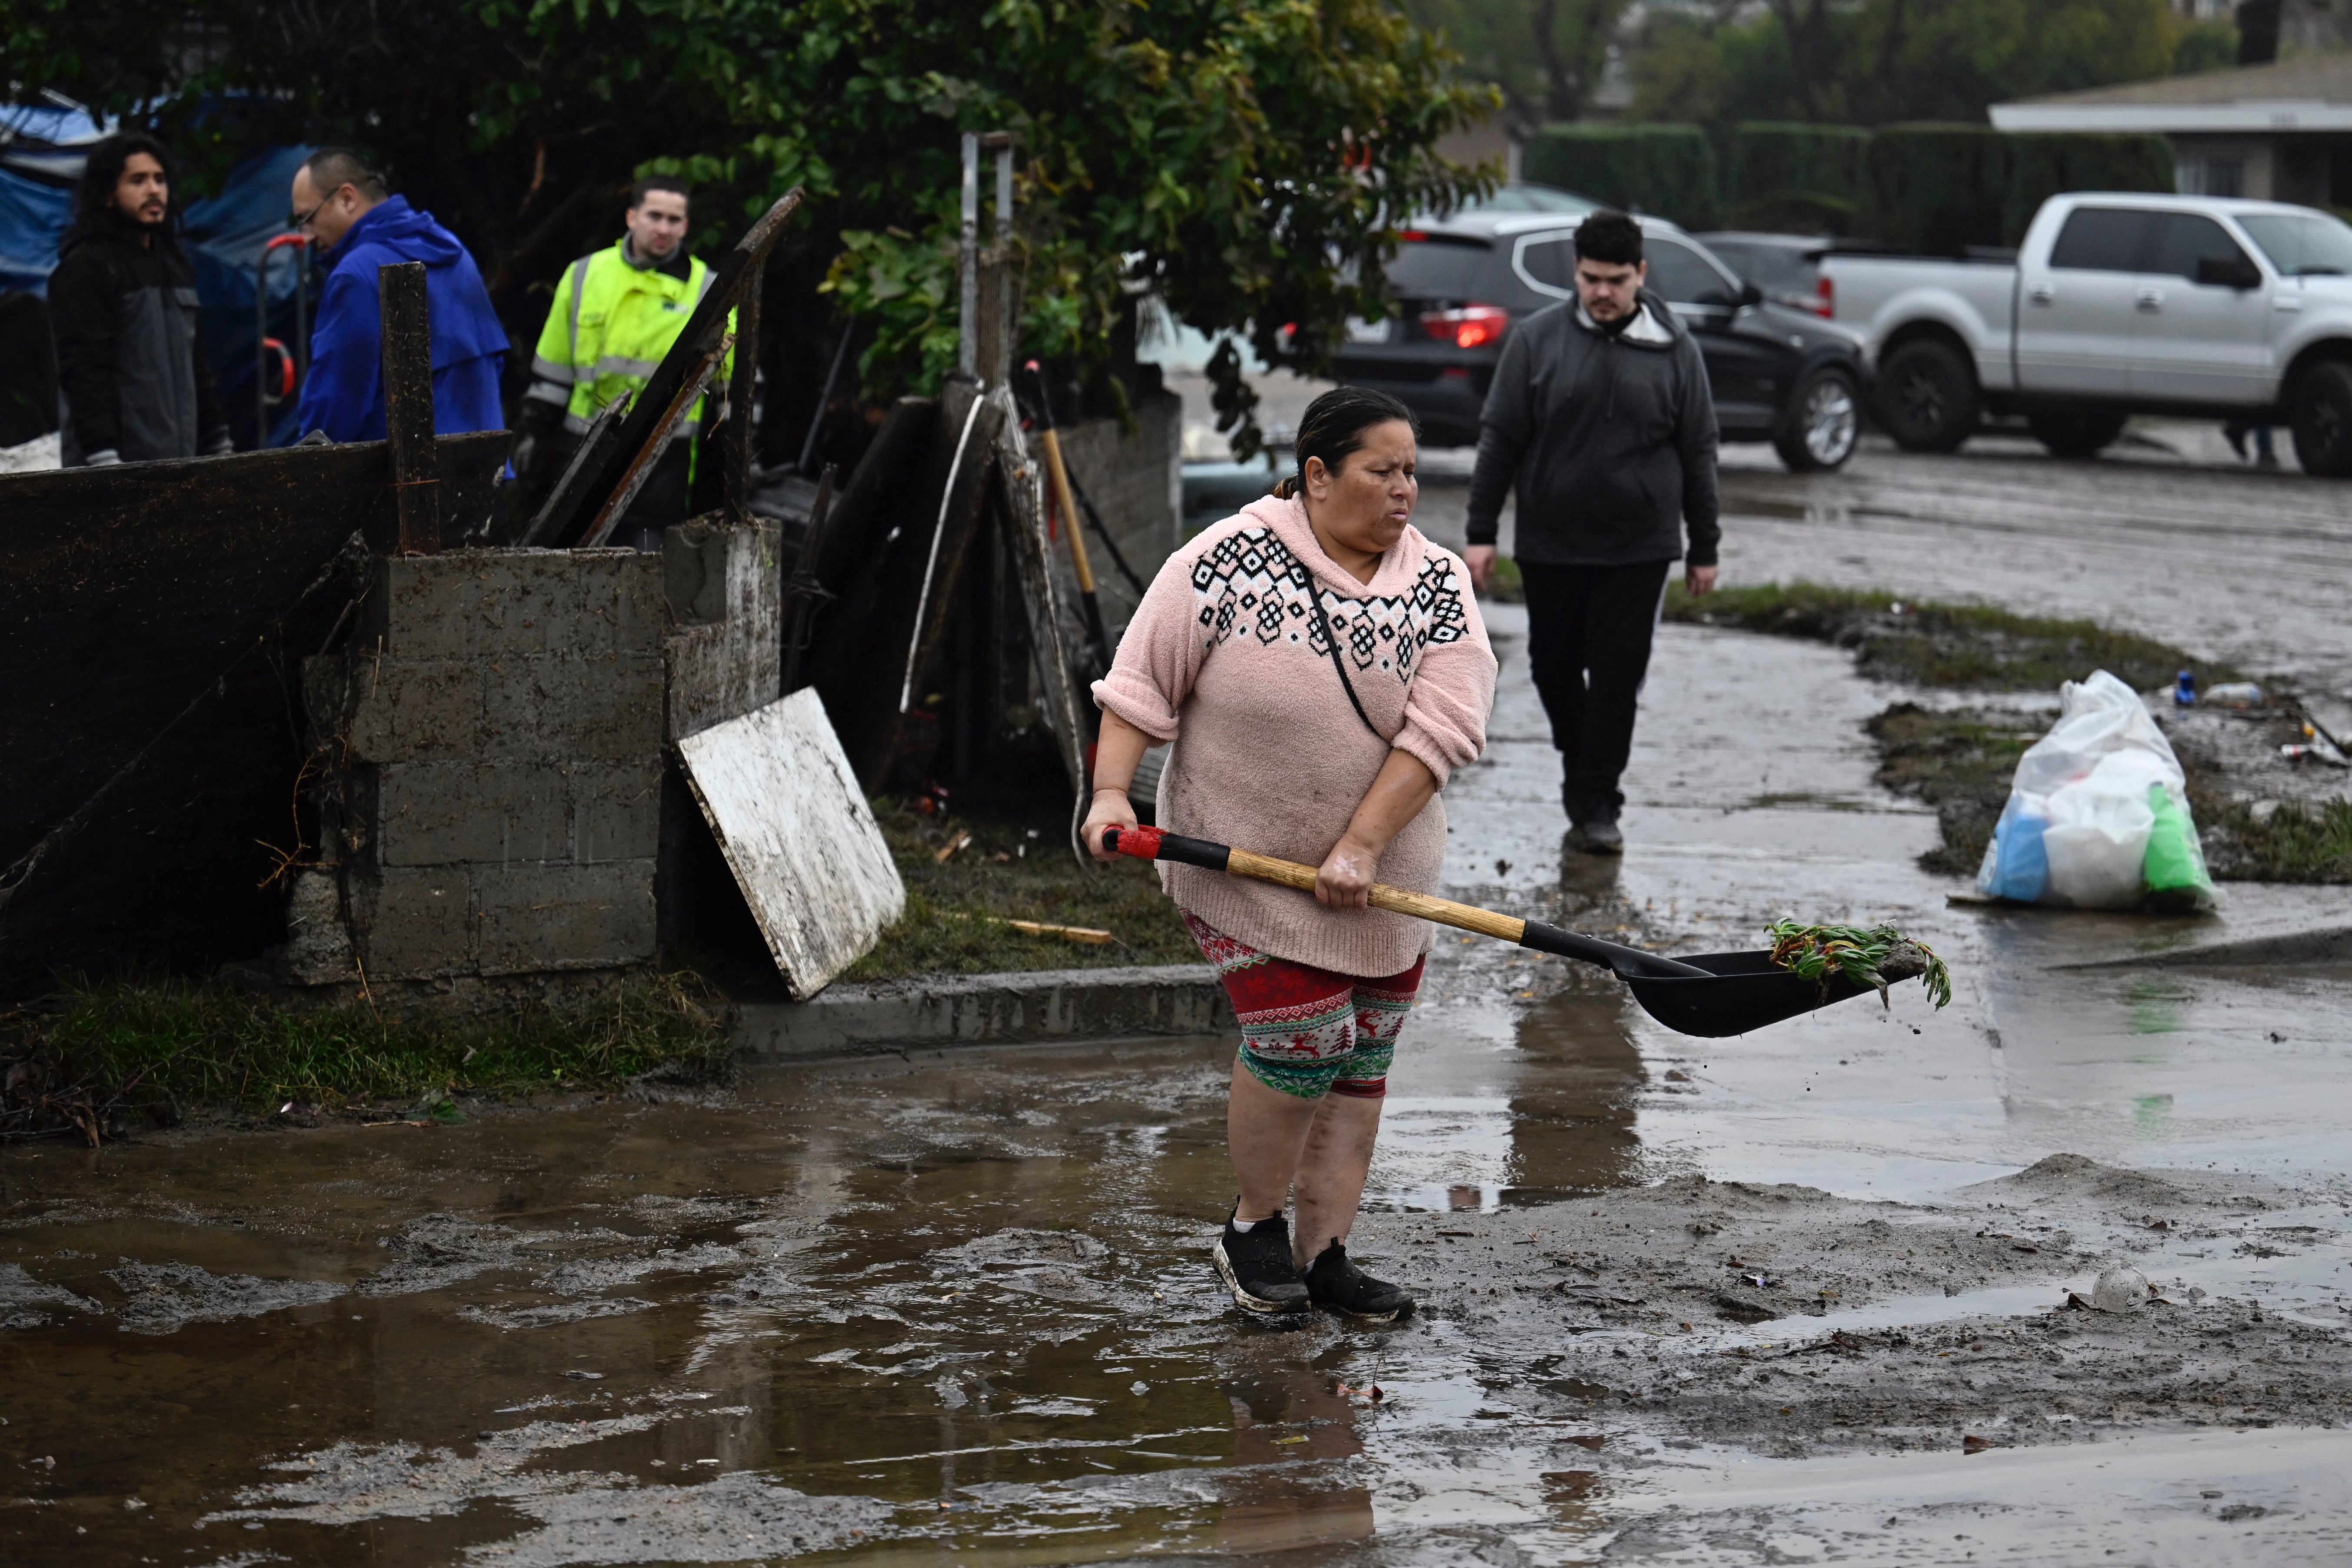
<point>359,226</point>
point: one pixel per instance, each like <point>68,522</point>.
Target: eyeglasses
<point>302,221</point>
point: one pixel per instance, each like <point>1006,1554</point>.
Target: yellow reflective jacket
<point>610,326</point>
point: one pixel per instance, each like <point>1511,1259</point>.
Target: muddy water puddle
<point>951,1302</point>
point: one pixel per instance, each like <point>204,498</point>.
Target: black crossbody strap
<point>1315,597</point>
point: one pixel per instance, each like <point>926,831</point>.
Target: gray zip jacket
<point>1607,439</point>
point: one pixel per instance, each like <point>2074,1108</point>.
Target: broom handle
<point>1155,844</point>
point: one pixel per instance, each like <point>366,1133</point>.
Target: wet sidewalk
<point>951,1306</point>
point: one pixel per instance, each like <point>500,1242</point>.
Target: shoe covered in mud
<point>1598,837</point>
<point>1336,1285</point>
<point>1257,1267</point>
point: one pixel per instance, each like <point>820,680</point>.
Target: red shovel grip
<point>1143,843</point>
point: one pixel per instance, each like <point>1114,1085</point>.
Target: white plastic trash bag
<point>2099,813</point>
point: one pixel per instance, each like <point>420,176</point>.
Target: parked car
<point>1787,266</point>
<point>2118,303</point>
<point>1461,283</point>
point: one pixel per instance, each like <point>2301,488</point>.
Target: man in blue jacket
<point>343,206</point>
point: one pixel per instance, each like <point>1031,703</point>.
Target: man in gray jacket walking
<point>1601,420</point>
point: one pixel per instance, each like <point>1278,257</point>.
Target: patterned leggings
<point>1307,1031</point>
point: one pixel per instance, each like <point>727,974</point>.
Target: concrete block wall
<point>1137,480</point>
<point>499,728</point>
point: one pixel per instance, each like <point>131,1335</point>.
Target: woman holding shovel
<point>1321,670</point>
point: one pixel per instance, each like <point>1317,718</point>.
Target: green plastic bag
<point>2175,867</point>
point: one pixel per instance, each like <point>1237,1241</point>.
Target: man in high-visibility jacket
<point>617,313</point>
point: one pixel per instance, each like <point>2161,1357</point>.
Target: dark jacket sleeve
<point>1504,428</point>
<point>82,312</point>
<point>1695,440</point>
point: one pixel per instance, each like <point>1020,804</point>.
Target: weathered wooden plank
<point>407,334</point>
<point>793,822</point>
<point>1022,487</point>
<point>151,620</point>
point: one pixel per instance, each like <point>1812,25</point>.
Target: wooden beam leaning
<point>604,477</point>
<point>408,403</point>
<point>742,389</point>
<point>1023,489</point>
<point>634,479</point>
<point>603,435</point>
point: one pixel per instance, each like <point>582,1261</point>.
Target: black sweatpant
<point>1589,630</point>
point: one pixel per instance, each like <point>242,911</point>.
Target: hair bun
<point>1285,487</point>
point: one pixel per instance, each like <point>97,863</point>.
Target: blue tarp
<point>41,152</point>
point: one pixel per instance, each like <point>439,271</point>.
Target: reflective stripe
<point>548,370</point>
<point>612,364</point>
<point>579,287</point>
<point>704,286</point>
<point>548,391</point>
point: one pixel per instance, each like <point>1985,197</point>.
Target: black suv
<point>1780,375</point>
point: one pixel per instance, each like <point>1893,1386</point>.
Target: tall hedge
<point>1789,176</point>
<point>1668,170</point>
<point>2042,164</point>
<point>1941,188</point>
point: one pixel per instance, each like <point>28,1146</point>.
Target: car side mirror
<point>1749,294</point>
<point>2228,271</point>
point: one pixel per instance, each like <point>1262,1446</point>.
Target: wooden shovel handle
<point>1158,844</point>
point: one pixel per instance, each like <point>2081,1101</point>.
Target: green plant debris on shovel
<point>1871,956</point>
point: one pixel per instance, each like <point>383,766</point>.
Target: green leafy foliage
<point>1250,159</point>
<point>1545,57</point>
<point>1881,61</point>
<point>1815,953</point>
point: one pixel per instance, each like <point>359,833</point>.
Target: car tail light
<point>1467,327</point>
<point>1825,298</point>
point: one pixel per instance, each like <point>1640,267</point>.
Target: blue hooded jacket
<point>343,394</point>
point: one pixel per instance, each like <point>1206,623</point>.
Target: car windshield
<point>2302,247</point>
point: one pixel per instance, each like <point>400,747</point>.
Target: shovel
<point>1710,994</point>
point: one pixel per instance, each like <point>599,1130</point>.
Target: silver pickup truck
<point>2117,304</point>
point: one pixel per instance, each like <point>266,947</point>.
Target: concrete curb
<point>988,1010</point>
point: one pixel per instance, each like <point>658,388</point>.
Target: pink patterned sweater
<point>1224,659</point>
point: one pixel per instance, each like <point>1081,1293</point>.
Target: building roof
<point>2312,93</point>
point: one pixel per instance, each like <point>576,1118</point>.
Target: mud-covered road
<point>1800,1297</point>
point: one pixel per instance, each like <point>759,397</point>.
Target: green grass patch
<point>1961,761</point>
<point>955,909</point>
<point>1928,643</point>
<point>98,1051</point>
<point>2295,842</point>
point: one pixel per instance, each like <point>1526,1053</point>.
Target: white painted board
<point>778,791</point>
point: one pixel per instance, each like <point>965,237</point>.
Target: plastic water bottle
<point>2184,689</point>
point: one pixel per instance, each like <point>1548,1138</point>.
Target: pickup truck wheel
<point>2320,408</point>
<point>2074,434</point>
<point>1927,396</point>
<point>1822,423</point>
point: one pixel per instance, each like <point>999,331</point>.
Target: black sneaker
<point>1257,1267</point>
<point>1338,1286</point>
<point>1598,837</point>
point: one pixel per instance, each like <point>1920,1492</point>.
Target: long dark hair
<point>94,197</point>
<point>1333,426</point>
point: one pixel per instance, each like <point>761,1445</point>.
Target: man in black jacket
<point>122,302</point>
<point>1602,420</point>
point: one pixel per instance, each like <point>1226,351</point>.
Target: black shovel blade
<point>1747,991</point>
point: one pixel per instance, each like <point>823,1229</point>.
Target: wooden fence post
<point>408,403</point>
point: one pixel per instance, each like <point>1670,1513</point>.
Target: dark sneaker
<point>1598,837</point>
<point>1256,1266</point>
<point>1338,1286</point>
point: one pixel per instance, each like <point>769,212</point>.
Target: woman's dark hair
<point>94,197</point>
<point>1333,426</point>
